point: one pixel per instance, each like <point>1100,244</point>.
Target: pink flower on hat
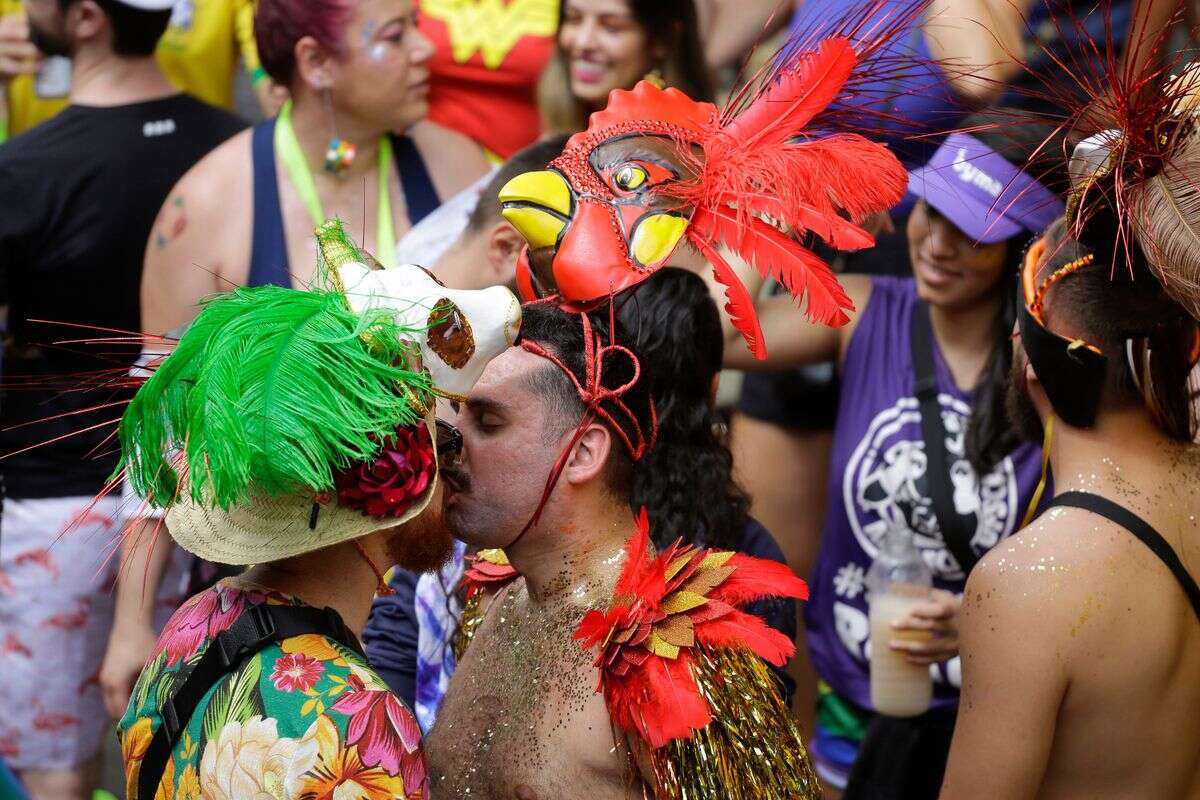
<point>389,484</point>
<point>296,672</point>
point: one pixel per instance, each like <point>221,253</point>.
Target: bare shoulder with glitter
<point>521,718</point>
<point>1079,647</point>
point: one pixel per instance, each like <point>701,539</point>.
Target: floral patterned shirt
<point>304,719</point>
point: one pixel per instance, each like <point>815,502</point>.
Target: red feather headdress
<point>776,164</point>
<point>754,168</point>
<point>1127,127</point>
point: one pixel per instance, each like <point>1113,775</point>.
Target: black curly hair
<point>686,481</point>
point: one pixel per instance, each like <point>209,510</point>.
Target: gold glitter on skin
<point>1076,612</point>
<point>522,717</point>
<point>521,710</point>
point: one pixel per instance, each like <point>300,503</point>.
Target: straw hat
<point>270,528</point>
<point>272,393</point>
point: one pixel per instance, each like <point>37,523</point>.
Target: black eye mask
<point>1071,371</point>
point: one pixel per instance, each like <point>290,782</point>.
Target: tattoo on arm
<point>173,224</point>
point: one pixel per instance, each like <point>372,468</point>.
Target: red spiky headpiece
<point>656,166</point>
<point>1130,137</point>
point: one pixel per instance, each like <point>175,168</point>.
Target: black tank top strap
<point>1141,529</point>
<point>419,194</point>
<point>268,244</point>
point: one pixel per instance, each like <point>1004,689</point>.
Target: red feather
<point>740,629</point>
<point>741,305</point>
<point>644,652</point>
<point>832,227</point>
<point>797,95</point>
<point>595,626</point>
<point>659,701</point>
<point>773,254</point>
<point>642,575</point>
<point>641,585</point>
<point>756,578</point>
<point>843,173</point>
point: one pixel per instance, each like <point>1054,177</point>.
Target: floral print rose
<point>266,734</point>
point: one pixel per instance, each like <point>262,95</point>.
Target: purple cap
<point>984,195</point>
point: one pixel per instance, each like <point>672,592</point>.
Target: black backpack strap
<point>256,628</point>
<point>1141,530</point>
<point>933,431</point>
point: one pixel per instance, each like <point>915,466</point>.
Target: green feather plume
<point>269,387</point>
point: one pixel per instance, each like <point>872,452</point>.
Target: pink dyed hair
<point>279,24</point>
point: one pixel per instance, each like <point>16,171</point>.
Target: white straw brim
<point>272,528</point>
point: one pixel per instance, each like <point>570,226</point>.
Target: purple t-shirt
<point>877,479</point>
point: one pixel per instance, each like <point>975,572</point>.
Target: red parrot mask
<point>656,167</point>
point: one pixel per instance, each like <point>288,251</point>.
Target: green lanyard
<point>294,162</point>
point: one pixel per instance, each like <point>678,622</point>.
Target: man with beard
<point>79,196</point>
<point>1080,637</point>
<point>523,716</point>
<point>292,430</point>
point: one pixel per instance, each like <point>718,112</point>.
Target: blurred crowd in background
<point>124,202</point>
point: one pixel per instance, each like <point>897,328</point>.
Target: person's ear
<point>1031,377</point>
<point>87,20</point>
<point>1035,390</point>
<point>503,247</point>
<point>589,455</point>
<point>314,64</point>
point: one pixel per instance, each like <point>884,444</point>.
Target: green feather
<point>273,388</point>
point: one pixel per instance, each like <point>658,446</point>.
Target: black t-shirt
<point>78,197</point>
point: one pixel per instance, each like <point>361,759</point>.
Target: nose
<point>584,37</point>
<point>943,239</point>
<point>421,48</point>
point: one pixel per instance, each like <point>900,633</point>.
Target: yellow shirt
<point>198,53</point>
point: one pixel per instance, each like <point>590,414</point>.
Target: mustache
<point>458,480</point>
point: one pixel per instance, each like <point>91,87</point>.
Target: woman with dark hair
<point>605,45</point>
<point>951,323</point>
<point>356,72</point>
<point>685,482</point>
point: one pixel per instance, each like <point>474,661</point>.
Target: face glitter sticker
<point>378,52</point>
<point>368,31</point>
